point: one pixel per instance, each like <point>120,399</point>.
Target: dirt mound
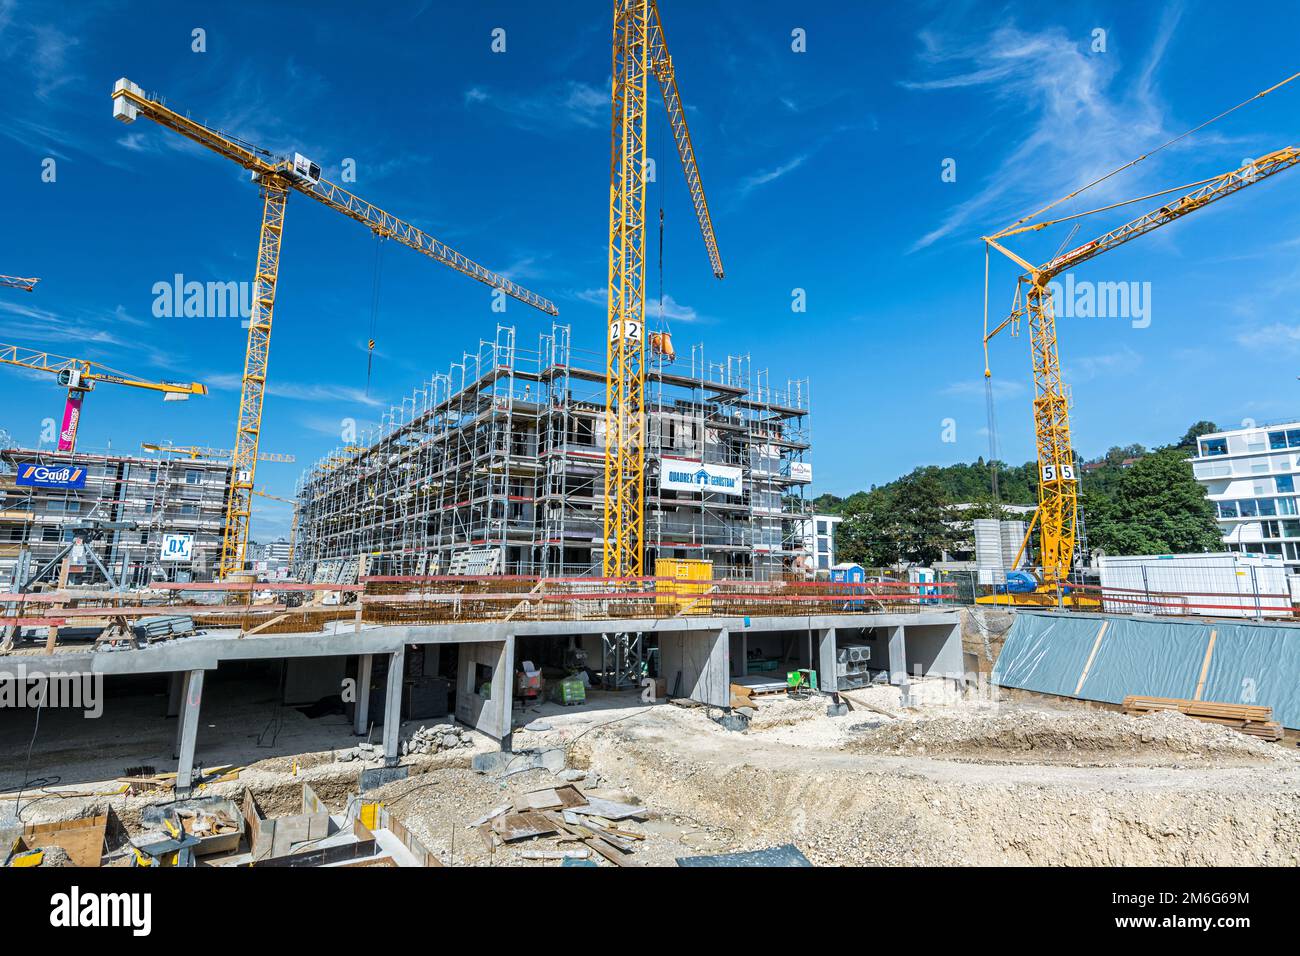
<point>1095,737</point>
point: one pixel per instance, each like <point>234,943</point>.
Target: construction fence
<point>287,607</point>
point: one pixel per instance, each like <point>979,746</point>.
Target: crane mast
<point>1057,515</point>
<point>639,48</point>
<point>276,177</point>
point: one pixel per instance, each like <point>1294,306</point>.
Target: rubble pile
<point>432,740</point>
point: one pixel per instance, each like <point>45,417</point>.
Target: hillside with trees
<point>1134,501</point>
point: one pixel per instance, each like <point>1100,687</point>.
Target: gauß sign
<point>46,476</point>
<point>681,474</point>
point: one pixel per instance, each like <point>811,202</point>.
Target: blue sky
<point>824,170</point>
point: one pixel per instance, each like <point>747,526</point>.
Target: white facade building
<point>818,536</point>
<point>1251,476</point>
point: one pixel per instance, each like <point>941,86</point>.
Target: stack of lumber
<point>1247,718</point>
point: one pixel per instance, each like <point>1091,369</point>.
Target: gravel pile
<point>1056,737</point>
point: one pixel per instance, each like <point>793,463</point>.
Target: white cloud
<point>753,181</point>
<point>562,105</point>
<point>1272,337</point>
<point>1002,388</point>
<point>1077,126</point>
<point>298,391</point>
<point>674,311</point>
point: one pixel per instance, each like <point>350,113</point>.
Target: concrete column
<point>506,670</point>
<point>393,706</point>
<point>361,712</point>
<point>175,694</point>
<point>189,731</point>
<point>898,659</point>
<point>744,653</point>
<point>827,674</point>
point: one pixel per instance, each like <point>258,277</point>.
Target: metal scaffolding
<point>496,467</point>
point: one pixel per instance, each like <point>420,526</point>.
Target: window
<point>1247,507</point>
<point>1267,506</point>
<point>1277,440</point>
<point>189,510</point>
<point>1269,528</point>
<point>1227,509</point>
<point>482,680</point>
<point>1291,529</point>
<point>1214,446</point>
<point>1286,506</point>
<point>821,527</point>
<point>193,476</point>
<point>1285,483</point>
<point>1293,437</point>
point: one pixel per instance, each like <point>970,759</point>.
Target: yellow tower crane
<point>276,177</point>
<point>196,451</point>
<point>14,282</point>
<point>1058,505</point>
<point>639,49</point>
<point>80,376</point>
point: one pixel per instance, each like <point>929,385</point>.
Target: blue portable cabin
<point>849,573</point>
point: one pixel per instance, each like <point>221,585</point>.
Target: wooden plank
<point>1087,666</point>
<point>608,852</point>
<point>1205,665</point>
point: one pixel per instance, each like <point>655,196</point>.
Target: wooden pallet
<point>1247,718</point>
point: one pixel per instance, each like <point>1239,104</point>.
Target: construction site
<point>569,601</point>
<point>497,467</point>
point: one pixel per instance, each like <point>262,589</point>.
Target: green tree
<point>1196,431</point>
<point>1154,507</point>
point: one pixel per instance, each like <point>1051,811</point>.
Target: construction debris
<point>430,740</point>
<point>566,815</point>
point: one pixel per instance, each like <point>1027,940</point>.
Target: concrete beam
<point>393,706</point>
<point>361,710</point>
<point>189,730</point>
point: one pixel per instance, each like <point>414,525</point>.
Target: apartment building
<point>120,520</point>
<point>817,534</point>
<point>1250,474</point>
<point>497,466</point>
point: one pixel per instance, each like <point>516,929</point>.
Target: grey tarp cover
<point>1046,652</point>
<point>1150,658</point>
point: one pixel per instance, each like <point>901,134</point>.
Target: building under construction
<point>497,466</point>
<point>120,521</point>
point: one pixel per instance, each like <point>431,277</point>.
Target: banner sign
<point>71,419</point>
<point>801,470</point>
<point>679,474</point>
<point>177,547</point>
<point>45,476</point>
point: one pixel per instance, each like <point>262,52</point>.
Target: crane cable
<point>988,387</point>
<point>376,282</point>
<point>1134,162</point>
